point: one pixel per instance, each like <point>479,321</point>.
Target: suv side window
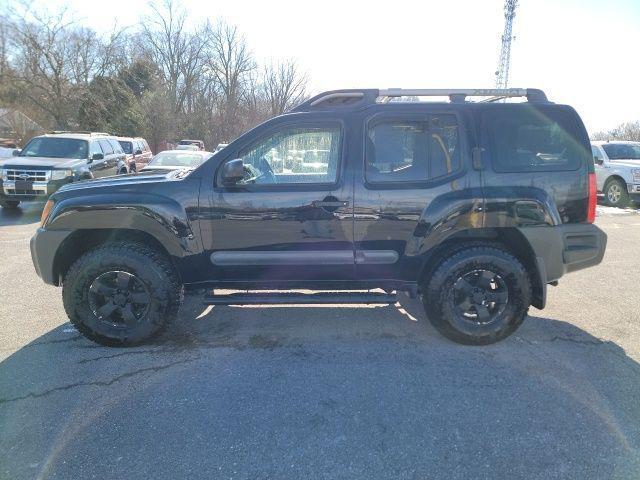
<point>94,147</point>
<point>106,147</point>
<point>294,155</point>
<point>115,145</point>
<point>412,150</point>
<point>596,153</point>
<point>530,139</point>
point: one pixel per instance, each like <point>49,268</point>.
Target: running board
<point>282,298</point>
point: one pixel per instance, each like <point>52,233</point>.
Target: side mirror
<point>16,152</point>
<point>598,160</point>
<point>138,152</point>
<point>96,156</point>
<point>233,171</point>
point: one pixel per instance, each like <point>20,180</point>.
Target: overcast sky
<point>582,52</point>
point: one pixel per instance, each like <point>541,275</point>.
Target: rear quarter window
<point>527,138</point>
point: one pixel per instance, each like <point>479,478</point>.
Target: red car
<point>138,153</point>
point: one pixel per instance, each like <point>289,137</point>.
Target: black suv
<point>475,207</point>
<point>49,161</point>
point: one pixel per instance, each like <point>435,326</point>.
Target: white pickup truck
<point>617,166</point>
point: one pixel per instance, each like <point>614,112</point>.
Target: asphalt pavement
<point>330,392</point>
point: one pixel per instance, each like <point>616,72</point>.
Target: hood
<point>625,163</point>
<point>40,162</point>
<point>122,181</point>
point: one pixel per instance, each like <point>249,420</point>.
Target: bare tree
<point>626,131</point>
<point>54,61</point>
<point>230,63</point>
<point>178,53</point>
<point>283,87</point>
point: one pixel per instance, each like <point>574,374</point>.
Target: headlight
<point>3,174</point>
<point>636,175</point>
<point>60,174</point>
<point>45,212</point>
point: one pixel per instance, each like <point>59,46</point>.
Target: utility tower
<point>502,74</point>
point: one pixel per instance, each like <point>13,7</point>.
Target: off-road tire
<point>438,292</point>
<point>152,268</point>
<point>9,204</point>
<point>622,197</point>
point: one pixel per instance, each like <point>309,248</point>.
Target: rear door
<point>412,186</point>
<point>291,219</point>
<point>110,164</point>
<point>98,167</point>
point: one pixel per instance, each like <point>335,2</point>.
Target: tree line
<point>625,131</point>
<point>166,78</point>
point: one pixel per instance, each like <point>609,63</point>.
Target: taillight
<point>593,198</point>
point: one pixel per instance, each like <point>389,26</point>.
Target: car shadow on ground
<point>25,213</point>
<point>331,392</point>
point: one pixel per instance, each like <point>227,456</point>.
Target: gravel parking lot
<point>324,392</point>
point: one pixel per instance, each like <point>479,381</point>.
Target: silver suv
<point>49,161</point>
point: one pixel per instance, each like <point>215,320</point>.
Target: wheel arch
<point>614,176</point>
<point>509,239</point>
<point>83,240</point>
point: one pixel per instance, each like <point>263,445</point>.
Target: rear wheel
<point>121,294</point>
<point>478,296</point>
<point>9,204</point>
<point>615,193</point>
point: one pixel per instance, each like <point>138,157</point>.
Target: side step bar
<point>282,298</point>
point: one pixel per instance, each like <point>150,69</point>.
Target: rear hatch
<point>538,151</point>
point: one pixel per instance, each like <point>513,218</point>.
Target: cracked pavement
<point>324,392</point>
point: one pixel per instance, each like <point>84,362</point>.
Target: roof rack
<point>81,132</point>
<point>359,98</point>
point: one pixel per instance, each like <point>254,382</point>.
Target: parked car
<point>138,153</point>
<point>617,165</point>
<point>193,148</point>
<point>176,160</point>
<point>220,147</point>
<point>475,207</point>
<point>49,161</point>
<point>197,143</point>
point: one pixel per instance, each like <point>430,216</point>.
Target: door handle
<point>330,203</point>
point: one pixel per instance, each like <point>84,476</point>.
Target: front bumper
<point>44,246</point>
<point>37,190</point>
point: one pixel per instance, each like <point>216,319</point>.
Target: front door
<point>291,217</point>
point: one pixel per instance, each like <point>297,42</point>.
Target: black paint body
<point>276,236</point>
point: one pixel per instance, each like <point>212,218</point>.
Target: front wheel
<point>615,192</point>
<point>121,294</point>
<point>478,296</point>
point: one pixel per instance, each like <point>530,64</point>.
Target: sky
<point>585,53</point>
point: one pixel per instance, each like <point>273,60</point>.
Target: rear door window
<point>115,145</point>
<point>106,147</point>
<point>412,150</point>
<point>527,138</point>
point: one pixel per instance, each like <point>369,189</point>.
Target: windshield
<point>55,148</point>
<point>176,159</point>
<point>126,146</point>
<point>622,151</point>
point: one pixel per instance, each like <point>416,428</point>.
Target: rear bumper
<point>565,248</point>
<point>44,246</point>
